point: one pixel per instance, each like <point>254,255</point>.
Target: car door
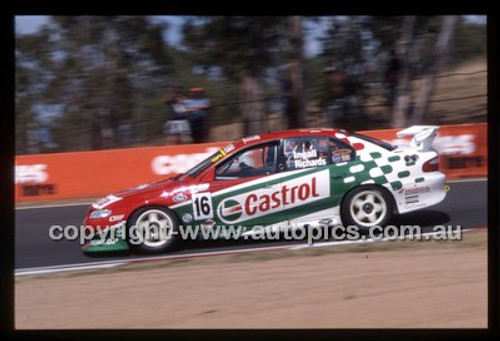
<point>242,190</point>
<point>345,170</point>
<point>308,163</point>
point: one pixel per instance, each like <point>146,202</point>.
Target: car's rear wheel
<point>156,230</point>
<point>365,207</point>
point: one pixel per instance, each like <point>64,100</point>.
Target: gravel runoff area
<point>436,284</point>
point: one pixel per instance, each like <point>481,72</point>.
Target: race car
<point>293,178</point>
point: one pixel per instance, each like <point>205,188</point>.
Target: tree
<point>102,71</point>
<point>429,82</point>
<point>32,66</point>
<point>402,101</point>
<point>297,116</point>
<point>242,47</point>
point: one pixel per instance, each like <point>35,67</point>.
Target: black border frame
<point>207,8</point>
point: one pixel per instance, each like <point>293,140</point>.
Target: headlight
<point>99,214</point>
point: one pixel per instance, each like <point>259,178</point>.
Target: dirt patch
<point>433,287</point>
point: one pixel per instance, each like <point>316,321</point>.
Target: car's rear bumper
<point>429,191</point>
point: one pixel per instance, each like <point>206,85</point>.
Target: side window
<point>341,151</point>
<point>304,152</point>
<point>255,161</point>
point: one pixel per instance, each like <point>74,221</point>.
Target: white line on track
<point>52,206</point>
<point>110,264</point>
<point>467,180</point>
<point>48,270</point>
<point>97,265</point>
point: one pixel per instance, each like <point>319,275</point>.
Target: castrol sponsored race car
<point>294,178</point>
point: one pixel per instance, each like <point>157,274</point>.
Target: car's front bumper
<point>112,239</point>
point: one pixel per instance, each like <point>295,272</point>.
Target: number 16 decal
<point>202,206</point>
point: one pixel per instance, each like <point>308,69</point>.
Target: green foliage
<point>469,43</point>
<point>235,44</point>
<point>103,70</point>
<point>107,73</point>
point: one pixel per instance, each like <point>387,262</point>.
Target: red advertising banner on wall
<point>463,153</point>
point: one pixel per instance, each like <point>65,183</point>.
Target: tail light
<point>431,166</point>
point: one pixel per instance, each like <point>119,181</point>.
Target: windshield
<point>383,144</point>
<point>193,172</point>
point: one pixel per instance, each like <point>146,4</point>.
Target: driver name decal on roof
<point>283,196</point>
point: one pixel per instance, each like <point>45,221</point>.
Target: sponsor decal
<point>230,209</point>
<point>345,157</point>
<point>250,138</point>
<point>417,190</point>
<point>98,242</point>
<point>412,199</point>
<point>336,158</point>
<point>208,223</point>
<point>230,147</point>
<point>416,205</point>
<point>342,151</point>
<point>219,156</point>
<point>116,217</point>
<point>192,189</point>
<point>179,197</point>
<point>265,201</point>
<point>187,218</point>
<point>199,188</point>
<point>106,201</point>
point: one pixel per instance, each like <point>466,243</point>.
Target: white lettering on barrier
<point>31,173</point>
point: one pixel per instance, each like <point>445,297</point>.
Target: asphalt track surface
<point>465,205</point>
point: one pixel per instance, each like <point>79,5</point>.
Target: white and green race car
<point>299,177</point>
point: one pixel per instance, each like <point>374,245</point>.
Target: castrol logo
<point>276,198</point>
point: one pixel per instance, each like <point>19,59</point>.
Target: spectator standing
<point>339,94</point>
<point>177,128</point>
<point>198,106</point>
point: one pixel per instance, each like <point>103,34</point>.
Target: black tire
<point>358,200</point>
<point>151,246</point>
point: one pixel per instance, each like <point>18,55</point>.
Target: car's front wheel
<point>365,207</point>
<point>153,230</point>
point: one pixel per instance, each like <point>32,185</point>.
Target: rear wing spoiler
<point>422,136</point>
